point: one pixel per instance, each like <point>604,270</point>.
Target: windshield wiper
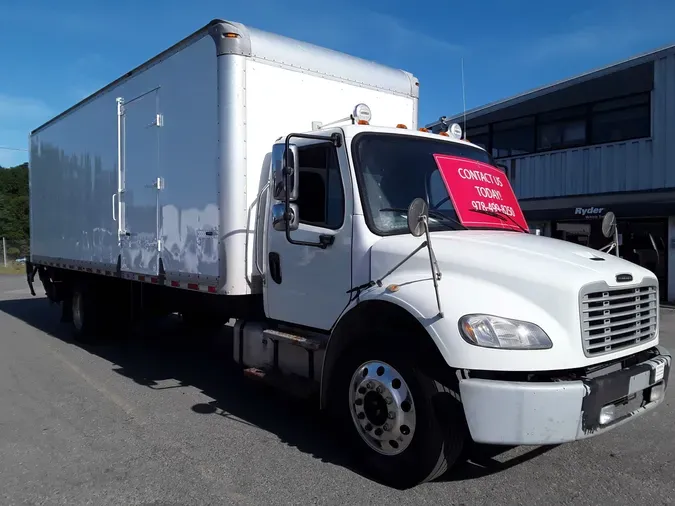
<point>501,216</point>
<point>432,214</point>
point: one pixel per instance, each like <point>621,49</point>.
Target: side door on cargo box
<point>308,285</point>
<point>142,182</point>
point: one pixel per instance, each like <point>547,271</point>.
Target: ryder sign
<point>475,186</point>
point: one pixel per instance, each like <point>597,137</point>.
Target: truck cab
<point>424,324</point>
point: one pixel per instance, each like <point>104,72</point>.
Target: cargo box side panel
<point>281,101</point>
<point>73,176</point>
<point>170,134</point>
<point>188,160</point>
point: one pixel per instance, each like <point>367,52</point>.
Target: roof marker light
<point>423,129</point>
<point>401,125</point>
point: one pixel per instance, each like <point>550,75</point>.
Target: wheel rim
<point>382,407</point>
<point>77,310</point>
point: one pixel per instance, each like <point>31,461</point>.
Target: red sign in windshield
<point>474,187</point>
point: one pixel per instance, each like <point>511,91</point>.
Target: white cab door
<point>307,285</point>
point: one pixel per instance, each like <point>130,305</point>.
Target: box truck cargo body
<point>170,158</point>
<point>383,268</point>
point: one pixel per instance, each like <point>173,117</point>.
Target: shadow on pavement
<point>167,350</point>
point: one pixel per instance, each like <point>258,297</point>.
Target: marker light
<point>444,134</point>
<point>401,125</point>
<point>423,129</point>
<point>456,131</point>
<point>362,113</point>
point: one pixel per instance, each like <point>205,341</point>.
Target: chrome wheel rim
<point>382,407</point>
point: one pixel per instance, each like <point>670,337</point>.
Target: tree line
<point>14,220</point>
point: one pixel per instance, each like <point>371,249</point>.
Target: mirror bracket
<point>288,171</point>
<point>611,230</point>
<point>418,224</point>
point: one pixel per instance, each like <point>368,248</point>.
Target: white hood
<point>511,254</point>
<point>509,274</point>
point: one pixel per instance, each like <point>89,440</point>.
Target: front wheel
<point>406,428</point>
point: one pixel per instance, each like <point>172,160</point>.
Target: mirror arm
<point>325,241</point>
<point>435,271</point>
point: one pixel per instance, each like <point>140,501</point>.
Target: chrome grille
<point>613,319</point>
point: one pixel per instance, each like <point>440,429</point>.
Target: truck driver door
<point>308,285</point>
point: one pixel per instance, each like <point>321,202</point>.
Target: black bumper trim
<point>614,386</point>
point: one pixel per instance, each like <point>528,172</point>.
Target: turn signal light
<point>444,134</point>
<point>401,125</point>
<point>423,129</point>
<point>363,122</point>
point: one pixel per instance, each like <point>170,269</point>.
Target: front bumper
<point>535,413</point>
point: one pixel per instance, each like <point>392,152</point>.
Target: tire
<point>83,315</point>
<point>434,421</point>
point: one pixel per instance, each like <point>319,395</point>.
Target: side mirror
<point>279,217</point>
<point>283,163</point>
<point>418,211</point>
<point>609,225</point>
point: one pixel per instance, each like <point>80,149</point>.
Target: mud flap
<point>31,270</point>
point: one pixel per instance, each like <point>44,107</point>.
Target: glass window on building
<point>513,138</point>
<point>562,129</point>
<point>621,119</point>
<point>479,135</point>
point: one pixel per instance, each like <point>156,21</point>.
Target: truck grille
<point>613,319</point>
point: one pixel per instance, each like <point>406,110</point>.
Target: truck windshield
<point>393,170</point>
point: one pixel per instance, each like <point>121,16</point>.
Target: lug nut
<point>369,385</point>
<point>389,400</point>
<point>379,390</point>
<point>386,426</point>
<point>391,415</point>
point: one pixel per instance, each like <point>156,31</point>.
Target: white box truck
<point>386,269</point>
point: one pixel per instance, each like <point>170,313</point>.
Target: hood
<point>509,274</point>
<point>499,253</point>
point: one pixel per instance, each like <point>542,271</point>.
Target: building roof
<point>560,85</point>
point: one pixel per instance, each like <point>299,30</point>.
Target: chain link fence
<point>13,253</point>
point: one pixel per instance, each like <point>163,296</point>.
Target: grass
<point>12,268</point>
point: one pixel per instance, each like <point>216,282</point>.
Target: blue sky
<point>55,53</point>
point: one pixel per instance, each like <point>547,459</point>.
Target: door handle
<point>326,240</point>
<point>275,267</point>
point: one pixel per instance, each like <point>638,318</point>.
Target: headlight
<point>495,332</point>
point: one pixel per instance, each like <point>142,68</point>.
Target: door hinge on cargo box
<point>159,121</point>
<point>158,183</point>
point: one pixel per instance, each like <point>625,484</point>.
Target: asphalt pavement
<point>163,418</point>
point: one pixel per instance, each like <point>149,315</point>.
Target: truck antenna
<point>463,99</point>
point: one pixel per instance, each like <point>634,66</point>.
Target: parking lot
<point>163,419</point>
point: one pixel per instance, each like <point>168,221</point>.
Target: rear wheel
<point>405,427</point>
<point>82,314</point>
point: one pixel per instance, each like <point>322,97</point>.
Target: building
<point>602,141</point>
